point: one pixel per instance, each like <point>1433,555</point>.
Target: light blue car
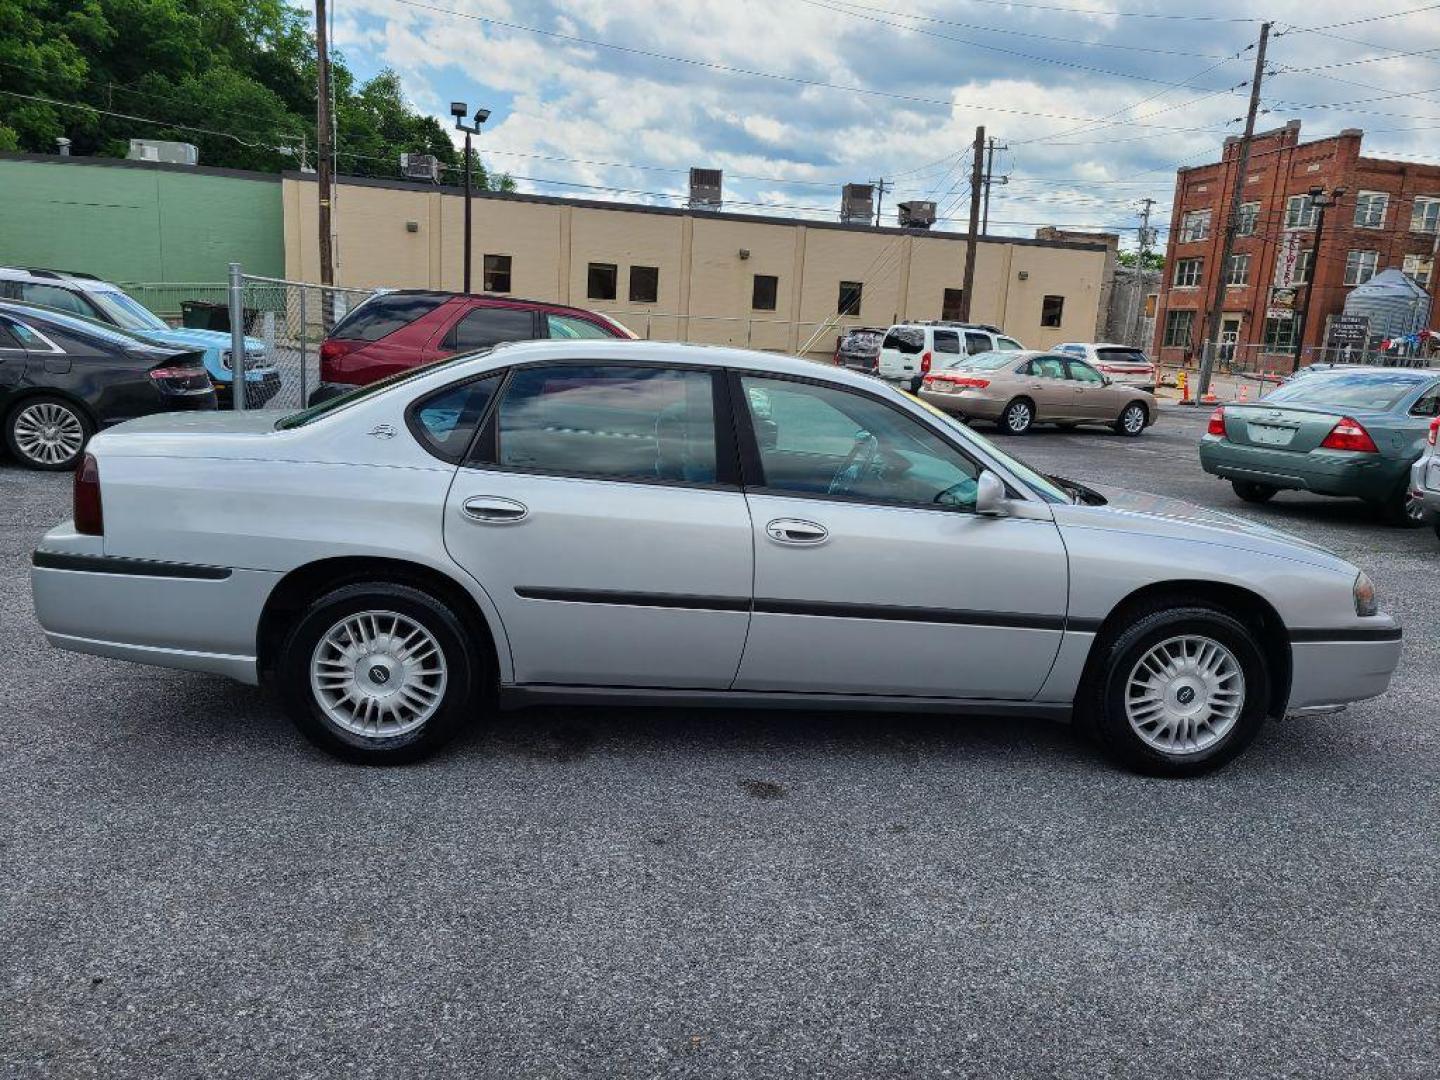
<point>84,294</point>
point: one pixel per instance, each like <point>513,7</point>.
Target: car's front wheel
<point>1179,691</point>
<point>378,673</point>
<point>47,433</point>
<point>1132,420</point>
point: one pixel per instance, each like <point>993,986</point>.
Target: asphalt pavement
<point>190,890</point>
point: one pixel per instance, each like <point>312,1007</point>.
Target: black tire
<point>73,419</point>
<point>1132,420</point>
<point>1018,417</point>
<point>1402,509</point>
<point>326,391</point>
<point>464,671</point>
<point>1252,492</point>
<point>1101,706</point>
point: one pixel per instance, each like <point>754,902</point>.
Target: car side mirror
<point>990,496</point>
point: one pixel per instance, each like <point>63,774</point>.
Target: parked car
<point>1351,433</point>
<point>859,348</point>
<point>910,350</point>
<point>1017,390</point>
<point>1425,478</point>
<point>603,521</point>
<point>62,378</point>
<point>91,298</point>
<point>394,331</point>
<point>1120,363</point>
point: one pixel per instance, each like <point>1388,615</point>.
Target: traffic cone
<point>1244,393</point>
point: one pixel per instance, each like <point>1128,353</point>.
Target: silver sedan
<point>639,523</point>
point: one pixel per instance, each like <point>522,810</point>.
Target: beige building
<point>693,275</point>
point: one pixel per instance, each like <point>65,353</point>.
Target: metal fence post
<point>304,349</point>
<point>237,337</point>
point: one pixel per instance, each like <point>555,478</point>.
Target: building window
<point>1425,214</point>
<point>764,291</point>
<point>1245,223</point>
<point>1299,212</point>
<point>950,304</point>
<point>497,273</point>
<point>849,302</point>
<point>1360,266</point>
<point>600,281</point>
<point>1417,268</point>
<point>1304,263</point>
<point>1151,299</point>
<point>1052,310</point>
<point>1237,272</point>
<point>644,284</point>
<point>1187,273</point>
<point>1195,225</point>
<point>1370,207</point>
<point>1279,334</point>
<point>1178,325</point>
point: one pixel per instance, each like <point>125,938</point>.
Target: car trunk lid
<point>1296,428</point>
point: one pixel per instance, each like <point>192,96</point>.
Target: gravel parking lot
<point>191,890</point>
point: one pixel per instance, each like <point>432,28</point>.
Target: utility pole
<point>880,189</point>
<point>1145,240</point>
<point>977,182</point>
<point>990,179</point>
<point>1232,220</point>
<point>323,160</point>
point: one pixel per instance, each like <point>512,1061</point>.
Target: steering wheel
<point>853,468</point>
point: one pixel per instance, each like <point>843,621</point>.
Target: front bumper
<point>198,618</point>
<point>260,389</point>
<point>1425,482</point>
<point>1325,472</point>
<point>1335,667</point>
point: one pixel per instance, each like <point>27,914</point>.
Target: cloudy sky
<point>1097,100</point>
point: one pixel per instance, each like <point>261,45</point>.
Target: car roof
<point>502,298</point>
<point>57,277</point>
<point>39,313</point>
<point>1417,375</point>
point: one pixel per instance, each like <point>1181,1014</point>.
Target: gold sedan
<point>1017,390</point>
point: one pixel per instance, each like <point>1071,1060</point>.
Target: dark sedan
<point>62,378</point>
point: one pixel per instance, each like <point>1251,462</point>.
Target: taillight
<point>1217,423</point>
<point>1434,430</point>
<point>970,381</point>
<point>924,363</point>
<point>89,520</point>
<point>160,374</point>
<point>1349,434</point>
<point>333,349</point>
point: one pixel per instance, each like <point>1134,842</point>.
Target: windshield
<point>360,393</point>
<point>1041,484</point>
<point>1365,390</point>
<point>128,312</point>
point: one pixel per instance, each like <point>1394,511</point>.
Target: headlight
<point>1365,602</point>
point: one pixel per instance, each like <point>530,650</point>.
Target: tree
<point>234,77</point>
<point>1154,260</point>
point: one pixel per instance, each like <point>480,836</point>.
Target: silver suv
<point>911,349</point>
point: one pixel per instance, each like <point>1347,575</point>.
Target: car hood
<point>201,339</point>
<point>1159,515</point>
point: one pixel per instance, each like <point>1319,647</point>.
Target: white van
<point>910,350</point>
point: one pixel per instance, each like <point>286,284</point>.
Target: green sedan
<point>1352,433</point>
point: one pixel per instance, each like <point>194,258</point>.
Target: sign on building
<point>1286,259</point>
<point>1350,329</point>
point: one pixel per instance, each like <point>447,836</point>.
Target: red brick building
<point>1389,216</point>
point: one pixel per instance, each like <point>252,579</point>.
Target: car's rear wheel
<point>1179,691</point>
<point>1252,492</point>
<point>47,433</point>
<point>1018,417</point>
<point>1132,419</point>
<point>379,673</point>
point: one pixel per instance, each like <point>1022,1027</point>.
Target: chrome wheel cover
<point>1185,695</point>
<point>48,434</point>
<point>1133,419</point>
<point>1414,506</point>
<point>378,674</point>
<point>1018,417</point>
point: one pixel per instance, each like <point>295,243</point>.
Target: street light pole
<point>459,109</point>
<point>1321,201</point>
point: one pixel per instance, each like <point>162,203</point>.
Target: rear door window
<point>976,343</point>
<point>947,341</point>
<point>483,327</point>
<point>1047,367</point>
<point>906,340</point>
<point>382,315</point>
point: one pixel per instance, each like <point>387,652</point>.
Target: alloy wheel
<point>1133,419</point>
<point>378,674</point>
<point>1018,417</point>
<point>48,433</point>
<point>1185,694</point>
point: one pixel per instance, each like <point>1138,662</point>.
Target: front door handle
<point>492,510</point>
<point>796,532</point>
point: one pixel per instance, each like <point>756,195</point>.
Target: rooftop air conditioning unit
<point>857,204</point>
<point>420,167</point>
<point>917,215</point>
<point>705,189</point>
<point>171,153</point>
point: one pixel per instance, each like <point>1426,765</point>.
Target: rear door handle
<point>795,532</point>
<point>492,510</point>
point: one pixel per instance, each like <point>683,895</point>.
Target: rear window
<point>383,315</point>
<point>989,361</point>
<point>1351,390</point>
<point>1118,356</point>
<point>861,341</point>
<point>905,339</point>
